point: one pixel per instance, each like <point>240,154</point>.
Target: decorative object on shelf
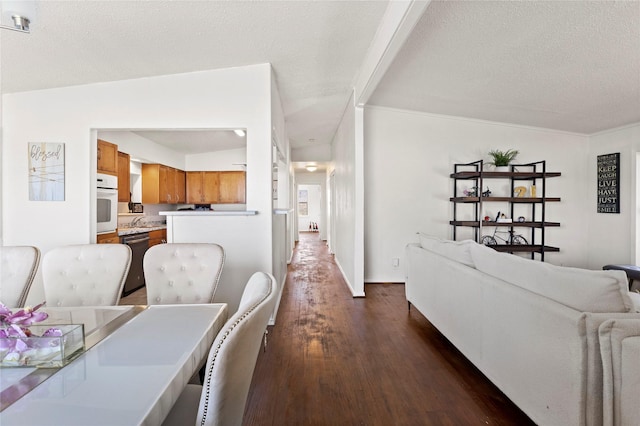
<point>502,159</point>
<point>486,193</point>
<point>469,212</point>
<point>472,192</point>
<point>609,183</point>
<point>504,219</point>
<point>520,191</point>
<point>513,239</point>
<point>23,344</point>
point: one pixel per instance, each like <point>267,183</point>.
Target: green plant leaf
<point>502,158</point>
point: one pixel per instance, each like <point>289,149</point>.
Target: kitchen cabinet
<point>162,184</point>
<point>124,178</point>
<point>158,236</point>
<point>228,187</point>
<point>107,158</point>
<point>202,187</point>
<point>181,186</point>
<point>232,187</point>
<point>110,238</point>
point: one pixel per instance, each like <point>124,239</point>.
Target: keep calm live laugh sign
<point>609,183</point>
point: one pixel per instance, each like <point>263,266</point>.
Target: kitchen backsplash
<point>150,214</point>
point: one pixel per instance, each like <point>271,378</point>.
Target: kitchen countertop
<point>139,229</point>
<point>210,213</point>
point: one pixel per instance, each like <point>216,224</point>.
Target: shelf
<point>527,224</point>
<point>531,248</point>
<point>519,174</point>
<point>507,175</point>
<point>507,199</point>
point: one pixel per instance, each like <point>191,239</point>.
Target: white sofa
<point>620,349</point>
<point>530,327</point>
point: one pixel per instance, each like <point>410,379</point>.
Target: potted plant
<point>501,159</point>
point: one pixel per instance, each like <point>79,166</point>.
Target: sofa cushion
<point>581,289</point>
<point>635,299</point>
<point>454,250</point>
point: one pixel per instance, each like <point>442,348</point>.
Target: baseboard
<point>346,280</point>
<point>272,319</point>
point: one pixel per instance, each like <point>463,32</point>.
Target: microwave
<point>106,203</point>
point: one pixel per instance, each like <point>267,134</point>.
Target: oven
<point>106,203</point>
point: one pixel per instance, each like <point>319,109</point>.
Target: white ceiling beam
<point>395,27</point>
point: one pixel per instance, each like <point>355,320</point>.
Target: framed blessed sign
<point>46,171</point>
<point>609,183</point>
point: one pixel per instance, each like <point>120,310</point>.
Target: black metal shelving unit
<point>533,173</point>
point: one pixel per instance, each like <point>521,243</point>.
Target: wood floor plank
<point>337,360</point>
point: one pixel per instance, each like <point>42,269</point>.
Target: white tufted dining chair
<point>85,274</point>
<point>232,359</point>
<point>18,266</point>
<point>177,273</point>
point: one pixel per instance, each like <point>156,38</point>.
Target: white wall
<point>227,160</point>
<point>314,197</point>
<point>228,98</point>
<point>315,178</point>
<point>142,148</point>
<point>409,157</point>
<point>612,236</point>
<point>280,159</point>
<point>344,157</point>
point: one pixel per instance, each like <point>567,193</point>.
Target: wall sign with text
<point>609,183</point>
<point>46,171</point>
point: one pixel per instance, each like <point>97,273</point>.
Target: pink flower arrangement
<point>14,327</point>
<point>24,317</point>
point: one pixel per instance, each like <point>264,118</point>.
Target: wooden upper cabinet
<point>107,158</point>
<point>232,187</point>
<point>202,187</point>
<point>194,187</point>
<point>124,178</point>
<point>181,187</point>
<point>150,183</point>
<point>216,187</point>
<point>210,187</point>
<point>167,176</point>
<point>162,184</point>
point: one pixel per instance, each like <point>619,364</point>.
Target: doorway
<point>309,199</point>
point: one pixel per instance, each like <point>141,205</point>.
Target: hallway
<point>337,360</point>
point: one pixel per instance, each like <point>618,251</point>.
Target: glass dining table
<point>137,360</point>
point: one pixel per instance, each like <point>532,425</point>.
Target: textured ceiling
<point>568,65</point>
<point>315,48</point>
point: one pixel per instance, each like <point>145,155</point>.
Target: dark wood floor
<point>337,360</point>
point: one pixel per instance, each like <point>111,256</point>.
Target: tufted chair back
<point>86,274</point>
<point>17,269</point>
<point>182,272</point>
<point>232,359</point>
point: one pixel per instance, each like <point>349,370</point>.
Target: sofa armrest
<point>620,351</point>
